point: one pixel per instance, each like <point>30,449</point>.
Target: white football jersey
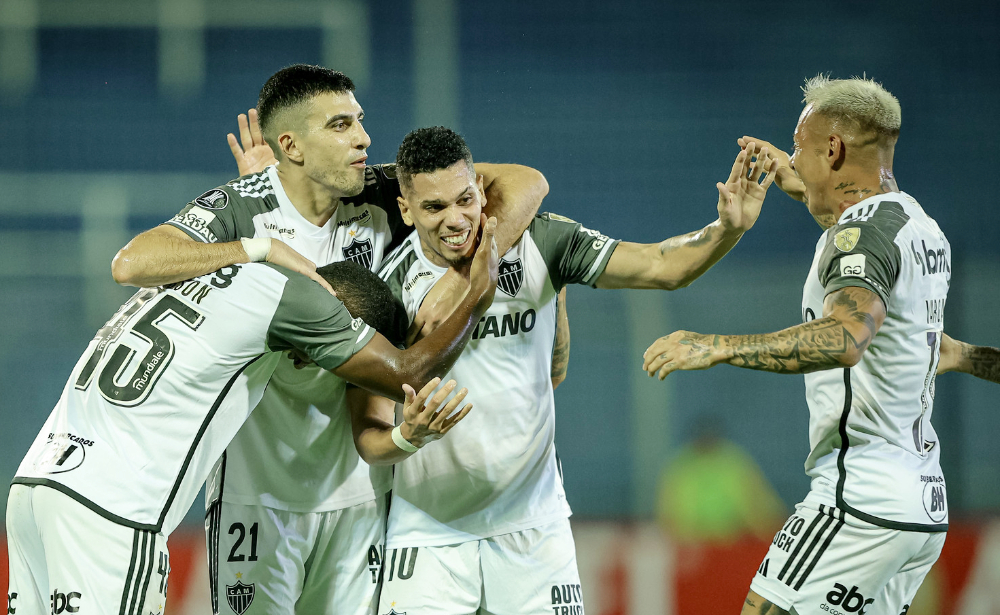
<point>168,381</point>
<point>874,451</point>
<point>496,472</point>
<point>297,452</point>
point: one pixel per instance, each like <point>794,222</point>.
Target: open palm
<point>741,197</point>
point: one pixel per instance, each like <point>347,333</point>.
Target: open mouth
<point>457,241</point>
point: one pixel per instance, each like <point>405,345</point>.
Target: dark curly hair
<point>367,297</point>
<point>294,84</point>
<point>426,150</point>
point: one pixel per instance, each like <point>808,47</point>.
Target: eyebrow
<point>344,116</point>
<point>440,201</point>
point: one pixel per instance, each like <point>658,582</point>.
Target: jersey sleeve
<point>859,254</point>
<point>218,216</point>
<point>317,323</point>
<point>573,253</point>
<point>382,190</point>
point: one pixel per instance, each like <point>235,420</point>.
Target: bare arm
<point>373,417</point>
<point>851,318</point>
<point>560,350</point>
<point>384,369</point>
<point>678,261</point>
<point>165,254</point>
<point>979,361</point>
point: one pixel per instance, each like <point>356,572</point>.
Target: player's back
<point>873,445</point>
<point>158,394</point>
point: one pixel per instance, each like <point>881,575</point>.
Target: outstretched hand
<point>255,155</point>
<point>681,350</point>
<point>741,197</point>
<point>486,262</point>
<point>422,421</point>
<point>785,177</point>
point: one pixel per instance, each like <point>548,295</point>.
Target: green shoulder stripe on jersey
<point>312,320</point>
<point>888,217</point>
<point>861,253</point>
<point>572,253</point>
<point>396,266</point>
<point>226,213</point>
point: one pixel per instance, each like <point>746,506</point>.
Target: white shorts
<point>531,571</point>
<point>825,561</point>
<point>287,562</point>
<point>66,558</point>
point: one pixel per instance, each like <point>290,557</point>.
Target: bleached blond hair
<point>862,102</point>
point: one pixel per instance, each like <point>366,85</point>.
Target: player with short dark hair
<point>293,474</point>
<point>479,521</point>
<point>157,396</point>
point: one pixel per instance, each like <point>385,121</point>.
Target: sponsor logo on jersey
<point>10,603</point>
<point>567,599</point>
<point>846,239</point>
<point>375,553</point>
<point>935,500</point>
<point>63,452</point>
<point>850,600</point>
<point>510,276</point>
<point>362,218</point>
<point>213,199</point>
<point>288,233</point>
<point>931,260</point>
<point>197,220</point>
<point>356,324</point>
<point>853,265</point>
<point>413,281</point>
<point>509,324</point>
<point>64,603</point>
<point>240,596</point>
<point>359,252</point>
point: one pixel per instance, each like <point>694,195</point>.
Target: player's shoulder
<point>885,214</point>
<point>253,194</point>
<point>380,189</point>
<point>401,259</point>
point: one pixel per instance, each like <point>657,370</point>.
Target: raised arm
<point>851,318</point>
<point>678,261</point>
<point>513,195</point>
<point>382,368</point>
<point>979,361</point>
<point>373,421</point>
<point>165,255</point>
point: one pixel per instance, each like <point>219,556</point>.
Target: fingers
<point>738,166</point>
<point>244,125</point>
<point>319,279</point>
<point>418,400</point>
<point>234,146</point>
<point>431,408</point>
<point>443,416</point>
<point>772,172</point>
<point>255,134</point>
<point>759,165</point>
<point>449,423</point>
<point>408,394</point>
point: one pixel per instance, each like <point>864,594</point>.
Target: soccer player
<point>875,518</point>
<point>479,522</point>
<point>292,478</point>
<point>157,396</point>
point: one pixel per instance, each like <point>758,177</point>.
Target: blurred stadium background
<point>114,114</point>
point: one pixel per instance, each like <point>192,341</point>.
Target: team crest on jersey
<point>359,252</point>
<point>846,239</point>
<point>393,611</point>
<point>213,199</point>
<point>240,596</point>
<point>510,276</point>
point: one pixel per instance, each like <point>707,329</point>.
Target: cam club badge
<point>359,252</point>
<point>510,276</point>
<point>240,596</point>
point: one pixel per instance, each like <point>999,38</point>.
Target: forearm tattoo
<point>982,361</point>
<point>816,345</point>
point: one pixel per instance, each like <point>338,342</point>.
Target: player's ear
<point>289,146</point>
<point>404,211</point>
<point>836,152</point>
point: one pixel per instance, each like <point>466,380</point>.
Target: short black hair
<point>426,150</point>
<point>367,297</point>
<point>294,84</point>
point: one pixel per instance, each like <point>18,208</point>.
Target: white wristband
<point>401,442</point>
<point>257,248</point>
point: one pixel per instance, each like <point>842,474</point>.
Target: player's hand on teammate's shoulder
<point>785,177</point>
<point>682,350</point>
<point>485,264</point>
<point>255,155</point>
<point>423,421</point>
<point>282,254</point>
<point>741,197</point>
